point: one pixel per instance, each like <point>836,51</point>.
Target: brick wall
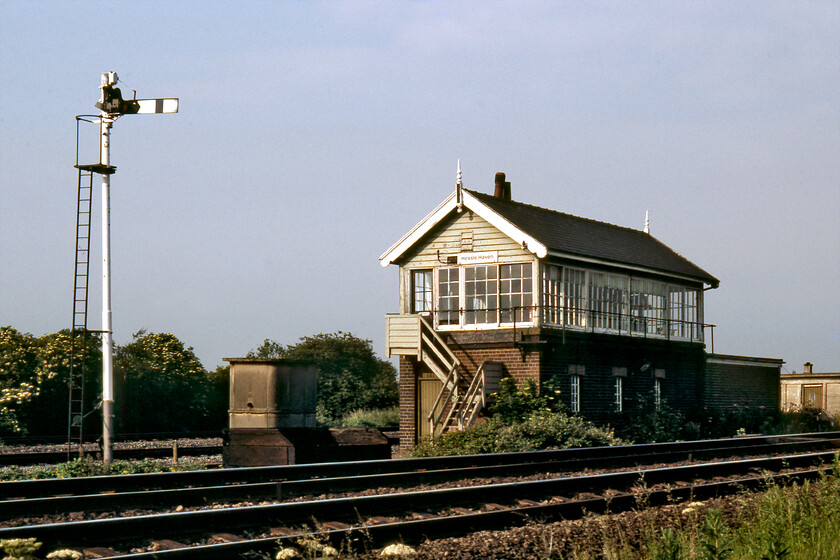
<point>679,367</point>
<point>741,381</point>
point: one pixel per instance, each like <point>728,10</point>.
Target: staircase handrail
<point>474,395</point>
<point>438,408</point>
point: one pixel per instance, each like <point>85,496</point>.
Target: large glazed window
<point>485,295</point>
<point>421,291</point>
<point>602,301</point>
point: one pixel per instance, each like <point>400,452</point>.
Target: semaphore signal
<point>112,106</point>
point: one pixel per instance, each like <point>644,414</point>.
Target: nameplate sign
<point>478,258</point>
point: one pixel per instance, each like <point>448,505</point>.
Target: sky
<point>312,135</point>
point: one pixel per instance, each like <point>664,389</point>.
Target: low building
<point>489,287</point>
<point>815,391</point>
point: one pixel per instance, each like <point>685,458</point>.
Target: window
<point>812,396</point>
<point>577,372</point>
<point>448,298</point>
<point>552,294</point>
<point>620,304</point>
<point>619,394</point>
<point>606,300</point>
<point>515,293</point>
<point>682,313</point>
<point>657,392</point>
<point>480,298</point>
<point>574,290</point>
<point>485,294</point>
<point>421,291</point>
<point>619,373</point>
<point>647,306</point>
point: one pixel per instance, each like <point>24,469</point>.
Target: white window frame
<point>469,310</point>
<point>575,393</point>
<point>427,291</point>
<point>619,394</point>
<point>657,392</point>
<point>607,302</point>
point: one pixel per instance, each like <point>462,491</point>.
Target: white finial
<point>458,198</point>
<point>647,222</point>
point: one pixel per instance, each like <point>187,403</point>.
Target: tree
<point>47,414</point>
<point>351,376</point>
<point>17,378</point>
<point>34,373</point>
<point>164,385</point>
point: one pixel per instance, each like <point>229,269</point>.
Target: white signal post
<point>112,107</point>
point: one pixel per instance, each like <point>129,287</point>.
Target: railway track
<point>405,514</point>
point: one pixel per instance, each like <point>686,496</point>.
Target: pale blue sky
<point>312,135</point>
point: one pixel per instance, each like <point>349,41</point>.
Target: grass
<point>790,522</point>
<point>89,467</point>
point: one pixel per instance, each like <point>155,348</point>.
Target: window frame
<point>427,290</point>
<point>472,289</point>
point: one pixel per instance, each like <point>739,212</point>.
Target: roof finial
<point>647,222</point>
<point>458,197</point>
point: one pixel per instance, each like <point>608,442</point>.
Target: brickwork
<point>408,402</point>
<point>741,381</point>
<point>687,382</point>
<point>678,365</point>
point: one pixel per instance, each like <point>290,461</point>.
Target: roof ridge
<point>480,194</point>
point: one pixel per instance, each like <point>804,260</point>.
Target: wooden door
<point>428,388</point>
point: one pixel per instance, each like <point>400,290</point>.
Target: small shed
<point>816,391</point>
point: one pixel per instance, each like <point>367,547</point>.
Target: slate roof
<point>575,236</point>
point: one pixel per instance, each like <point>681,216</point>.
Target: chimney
<point>808,368</point>
<point>502,189</point>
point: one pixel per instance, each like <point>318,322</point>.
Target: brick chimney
<point>502,189</point>
<point>808,368</point>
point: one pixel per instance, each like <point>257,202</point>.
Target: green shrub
<point>379,418</point>
<point>498,435</point>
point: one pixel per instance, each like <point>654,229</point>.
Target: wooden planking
<point>447,240</point>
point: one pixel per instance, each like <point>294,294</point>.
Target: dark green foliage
<point>350,375</point>
<point>644,422</point>
<point>716,541</point>
<point>164,386</point>
<point>521,420</point>
<point>513,404</point>
<point>218,399</point>
<point>34,377</point>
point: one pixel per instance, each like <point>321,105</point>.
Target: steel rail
<point>415,531</point>
<point>218,477</point>
<point>349,509</point>
<point>202,495</point>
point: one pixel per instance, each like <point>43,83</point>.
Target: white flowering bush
<point>398,551</point>
<point>287,553</point>
<point>65,554</point>
<point>19,549</point>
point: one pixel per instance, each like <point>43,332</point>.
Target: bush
<point>379,418</point>
<point>498,435</point>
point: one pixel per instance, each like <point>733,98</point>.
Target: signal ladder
<point>79,334</point>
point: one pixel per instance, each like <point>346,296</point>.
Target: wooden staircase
<point>460,400</point>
